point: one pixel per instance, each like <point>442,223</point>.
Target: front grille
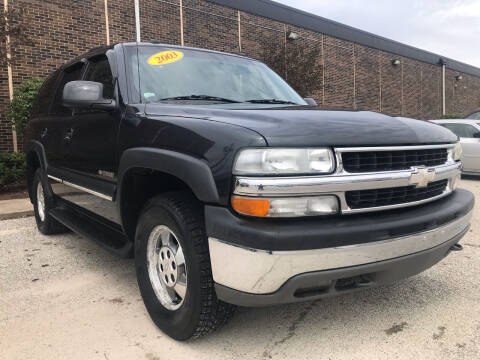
<point>372,161</point>
<point>362,199</point>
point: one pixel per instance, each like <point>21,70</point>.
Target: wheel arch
<point>146,172</point>
<point>35,158</point>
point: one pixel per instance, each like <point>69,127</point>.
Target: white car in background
<point>468,130</point>
<point>474,115</point>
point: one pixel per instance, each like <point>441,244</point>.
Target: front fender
<point>191,170</point>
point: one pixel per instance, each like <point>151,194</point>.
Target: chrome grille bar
<point>314,185</point>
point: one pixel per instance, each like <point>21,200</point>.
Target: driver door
<point>91,148</point>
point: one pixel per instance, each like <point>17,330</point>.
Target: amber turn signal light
<point>252,207</point>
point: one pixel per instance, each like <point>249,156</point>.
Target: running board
<point>107,237</point>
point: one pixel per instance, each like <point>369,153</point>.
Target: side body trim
<point>101,187</point>
<point>78,187</point>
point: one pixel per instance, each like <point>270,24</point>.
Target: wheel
<point>42,204</point>
<point>173,268</point>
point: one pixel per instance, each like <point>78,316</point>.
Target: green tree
<point>21,106</point>
<point>12,168</point>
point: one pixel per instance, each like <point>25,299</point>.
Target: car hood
<point>310,126</point>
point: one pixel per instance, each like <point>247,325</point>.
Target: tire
<point>46,224</point>
<point>178,217</point>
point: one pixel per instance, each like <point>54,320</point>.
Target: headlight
<point>286,207</point>
<point>457,152</point>
<point>283,161</point>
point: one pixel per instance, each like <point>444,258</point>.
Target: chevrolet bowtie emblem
<point>421,177</point>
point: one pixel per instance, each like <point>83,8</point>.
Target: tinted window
<point>474,116</point>
<point>99,71</point>
<point>462,130</point>
<point>70,74</point>
<point>45,95</point>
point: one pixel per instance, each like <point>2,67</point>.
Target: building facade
<point>339,66</point>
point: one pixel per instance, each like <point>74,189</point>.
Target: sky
<point>450,28</point>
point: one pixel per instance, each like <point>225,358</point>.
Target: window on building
<point>71,73</point>
<point>463,130</point>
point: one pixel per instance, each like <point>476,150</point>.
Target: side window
<point>99,70</point>
<point>45,95</point>
<point>474,116</point>
<point>463,130</point>
<point>70,74</point>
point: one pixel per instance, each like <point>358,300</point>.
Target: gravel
<point>63,297</point>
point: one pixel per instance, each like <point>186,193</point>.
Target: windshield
<point>176,74</point>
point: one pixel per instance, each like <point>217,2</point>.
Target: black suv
<point>229,188</point>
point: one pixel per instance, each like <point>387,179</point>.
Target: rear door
<point>469,135</point>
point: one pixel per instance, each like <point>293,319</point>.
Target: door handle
<point>68,135</point>
<point>44,133</point>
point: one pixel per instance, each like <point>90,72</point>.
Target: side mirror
<point>476,135</point>
<point>311,101</point>
<point>86,94</point>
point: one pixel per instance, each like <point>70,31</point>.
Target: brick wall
<point>335,72</point>
<point>367,78</point>
<point>210,26</point>
<point>160,21</point>
<point>121,16</point>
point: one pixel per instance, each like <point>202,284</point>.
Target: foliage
<point>21,106</point>
<point>12,168</point>
<point>453,116</point>
<point>13,24</point>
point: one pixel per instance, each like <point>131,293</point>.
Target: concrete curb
<point>16,215</point>
<point>15,208</point>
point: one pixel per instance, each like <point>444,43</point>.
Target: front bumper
<point>318,257</point>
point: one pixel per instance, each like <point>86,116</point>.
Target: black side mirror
<point>476,135</point>
<point>86,94</point>
<point>311,101</point>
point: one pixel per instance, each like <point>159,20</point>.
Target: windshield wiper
<point>200,97</point>
<point>271,101</point>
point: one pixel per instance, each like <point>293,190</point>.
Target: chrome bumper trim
<point>262,272</point>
